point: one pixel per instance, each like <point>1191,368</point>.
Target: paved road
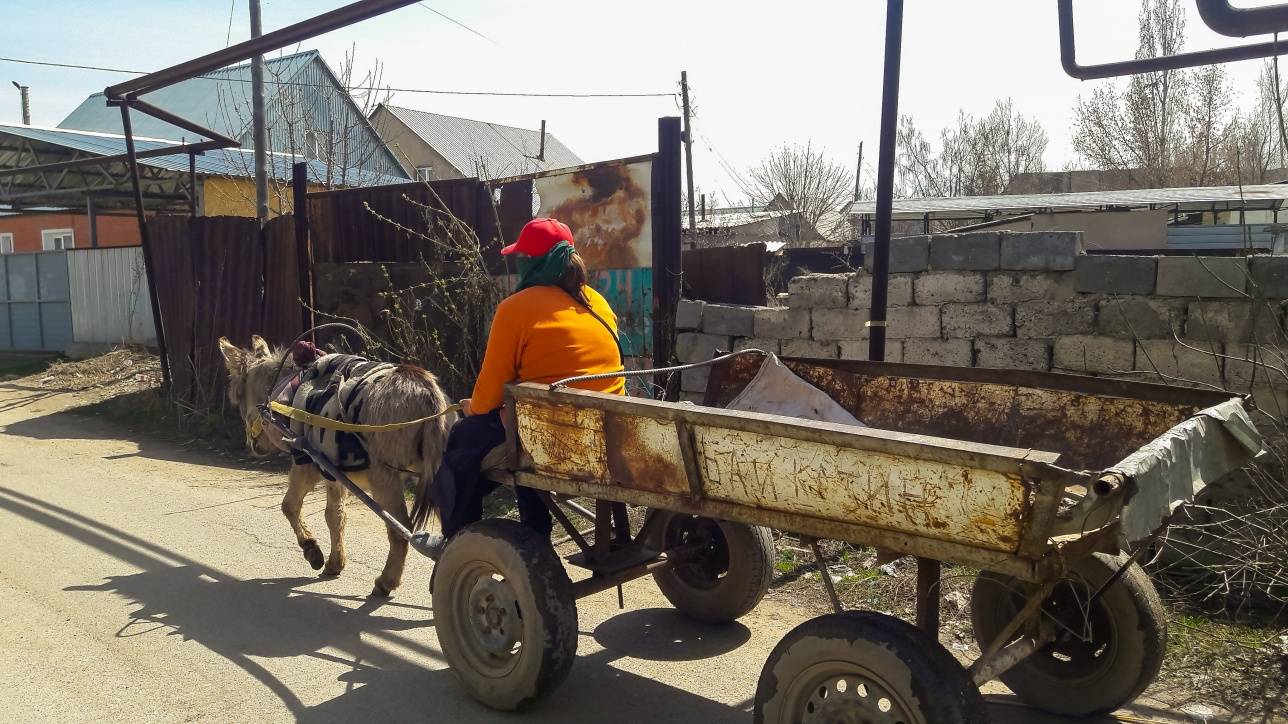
<point>141,582</point>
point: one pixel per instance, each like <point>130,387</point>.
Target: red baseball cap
<point>539,236</point>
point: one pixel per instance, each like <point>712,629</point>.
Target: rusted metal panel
<point>563,439</point>
<point>644,453</point>
<point>978,507</point>
<point>1092,422</point>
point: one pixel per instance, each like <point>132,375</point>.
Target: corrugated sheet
<point>34,302</point>
<point>219,162</point>
<point>485,150</point>
<point>109,296</point>
<point>1264,196</point>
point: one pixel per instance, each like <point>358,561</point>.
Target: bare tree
<point>806,178</point>
<point>976,156</point>
<point>315,117</point>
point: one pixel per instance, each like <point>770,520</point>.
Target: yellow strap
<point>327,423</point>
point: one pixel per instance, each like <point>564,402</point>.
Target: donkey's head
<point>250,382</point>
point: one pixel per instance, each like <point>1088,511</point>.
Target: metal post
<point>666,246</point>
<point>928,595</point>
<point>148,264</point>
<point>24,92</point>
<point>257,121</point>
<point>885,178</point>
<point>303,249</point>
<point>91,210</point>
<point>858,172</point>
<point>688,145</point>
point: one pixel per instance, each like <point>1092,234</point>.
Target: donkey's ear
<point>233,356</point>
<point>259,346</point>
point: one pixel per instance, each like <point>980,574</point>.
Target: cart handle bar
<point>652,371</point>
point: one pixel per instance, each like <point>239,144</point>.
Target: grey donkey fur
<point>408,394</point>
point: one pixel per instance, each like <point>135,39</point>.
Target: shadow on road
<point>246,621</point>
<point>661,634</point>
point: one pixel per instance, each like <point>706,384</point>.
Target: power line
<point>357,88</point>
<point>458,23</point>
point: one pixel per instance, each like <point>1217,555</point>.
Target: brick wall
<point>1029,300</point>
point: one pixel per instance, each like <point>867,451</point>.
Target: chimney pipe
<point>26,102</point>
<point>541,154</point>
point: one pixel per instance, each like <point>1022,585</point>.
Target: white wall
<point>109,296</point>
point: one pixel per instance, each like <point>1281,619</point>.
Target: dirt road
<point>142,582</point>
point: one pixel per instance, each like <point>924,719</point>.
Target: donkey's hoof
<point>313,554</point>
<point>380,591</point>
<point>332,568</point>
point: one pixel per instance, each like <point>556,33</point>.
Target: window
<point>6,243</point>
<point>56,239</point>
<point>424,173</point>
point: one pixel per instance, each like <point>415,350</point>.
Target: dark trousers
<point>459,488</point>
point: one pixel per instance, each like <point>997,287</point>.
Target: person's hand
<point>467,409</point>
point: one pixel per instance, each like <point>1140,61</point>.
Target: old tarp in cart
<point>1044,482</point>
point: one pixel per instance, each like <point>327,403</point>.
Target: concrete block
<point>945,287</point>
<point>695,380</point>
<point>907,254</point>
<point>1178,364</point>
<point>1101,274</point>
<point>1140,317</point>
<point>766,344</point>
<point>1040,250</point>
<point>977,251</point>
<point>693,398</point>
<point>1013,354</point>
<point>947,352</point>
<point>825,349</point>
<point>1258,321</point>
<point>823,291</point>
<point>1201,276</point>
<point>912,322</point>
<point>858,349</point>
<point>730,320</point>
<point>966,321</point>
<point>697,347</point>
<point>1269,276</point>
<point>832,324</point>
<point>1012,287</point>
<point>898,291</point>
<point>1087,354</point>
<point>1052,318</point>
<point>1248,366</point>
<point>1272,401</point>
<point>688,314</point>
<point>781,322</point>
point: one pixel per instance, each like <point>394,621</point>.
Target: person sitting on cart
<point>554,327</point>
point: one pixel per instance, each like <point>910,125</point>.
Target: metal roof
<point>219,101</point>
<point>1264,196</point>
<point>485,150</point>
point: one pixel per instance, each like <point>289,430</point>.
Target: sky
<point>761,73</point>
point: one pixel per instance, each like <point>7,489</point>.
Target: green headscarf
<point>535,271</point>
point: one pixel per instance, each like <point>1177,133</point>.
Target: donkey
<point>404,393</point>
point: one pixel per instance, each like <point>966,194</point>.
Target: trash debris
<point>955,601</point>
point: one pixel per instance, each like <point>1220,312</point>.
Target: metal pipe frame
<point>1224,18</point>
<point>1068,53</point>
<point>148,263</point>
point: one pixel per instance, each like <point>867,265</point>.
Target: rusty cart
<point>1050,485</point>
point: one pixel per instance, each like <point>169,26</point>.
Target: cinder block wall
<point>1034,301</point>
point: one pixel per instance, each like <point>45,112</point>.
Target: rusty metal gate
<point>35,305</point>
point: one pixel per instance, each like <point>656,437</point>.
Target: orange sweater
<point>541,335</point>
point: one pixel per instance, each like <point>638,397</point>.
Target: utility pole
<point>259,130</point>
<point>688,146</point>
<point>858,173</point>
<point>26,102</point>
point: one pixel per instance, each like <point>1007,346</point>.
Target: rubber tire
<point>921,671</point>
<point>546,606</point>
<point>751,567</point>
<point>1139,640</point>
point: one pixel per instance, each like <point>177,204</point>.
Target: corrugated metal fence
<point>213,284</point>
<point>109,296</point>
<point>35,310</point>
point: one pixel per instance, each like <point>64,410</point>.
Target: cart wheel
<point>1104,658</point>
<point>861,666</point>
<point>505,613</point>
<point>723,580</point>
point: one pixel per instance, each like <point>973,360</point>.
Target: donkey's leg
<point>335,497</point>
<point>300,480</point>
<point>387,489</point>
